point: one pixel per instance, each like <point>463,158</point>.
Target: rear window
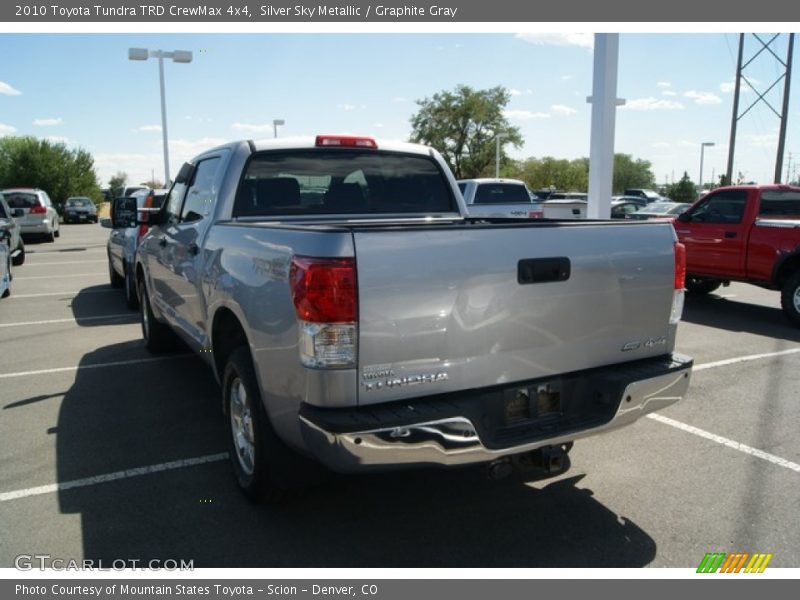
<point>78,202</point>
<point>776,204</point>
<point>21,199</point>
<point>327,182</point>
<point>501,193</point>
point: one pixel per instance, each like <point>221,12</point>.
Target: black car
<point>80,209</point>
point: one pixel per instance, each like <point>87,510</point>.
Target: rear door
<point>715,235</point>
<point>443,309</point>
<point>26,201</point>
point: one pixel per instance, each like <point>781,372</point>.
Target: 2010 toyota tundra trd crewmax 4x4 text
<point>357,318</point>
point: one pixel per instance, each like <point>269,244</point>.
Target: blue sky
<point>80,88</point>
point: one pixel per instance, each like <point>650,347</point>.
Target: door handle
<point>162,241</point>
<point>730,234</point>
<point>193,249</point>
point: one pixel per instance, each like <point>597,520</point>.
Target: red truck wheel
<point>790,298</point>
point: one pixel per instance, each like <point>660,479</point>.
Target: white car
<point>39,216</point>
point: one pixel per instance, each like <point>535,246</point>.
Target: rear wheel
<point>790,298</point>
<point>158,337</point>
<point>56,229</point>
<point>266,469</point>
<point>50,236</point>
<point>699,285</point>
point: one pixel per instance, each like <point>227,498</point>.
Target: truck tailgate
<point>448,309</point>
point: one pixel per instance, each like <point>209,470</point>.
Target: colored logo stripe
<point>734,563</point>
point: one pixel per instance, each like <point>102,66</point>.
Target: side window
<point>174,201</point>
<point>725,207</point>
<point>202,191</point>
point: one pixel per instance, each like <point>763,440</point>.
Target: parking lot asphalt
<point>107,452</point>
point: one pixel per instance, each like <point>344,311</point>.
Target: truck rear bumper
<point>482,425</point>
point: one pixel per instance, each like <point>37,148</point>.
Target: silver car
<point>122,244</point>
<point>8,219</point>
<point>5,262</point>
<point>39,216</point>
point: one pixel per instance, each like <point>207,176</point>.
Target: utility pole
<point>785,112</point>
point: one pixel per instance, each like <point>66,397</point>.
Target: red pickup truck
<point>745,233</point>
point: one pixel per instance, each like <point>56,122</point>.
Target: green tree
<point>117,183</point>
<point>463,125</point>
<point>630,173</point>
<point>683,191</point>
<point>31,162</point>
<point>560,173</point>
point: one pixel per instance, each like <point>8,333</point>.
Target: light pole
<point>178,56</point>
<point>498,137</point>
<point>702,151</point>
<point>275,123</point>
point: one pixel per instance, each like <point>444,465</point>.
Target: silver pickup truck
<point>357,318</point>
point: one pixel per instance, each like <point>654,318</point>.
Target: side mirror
<point>185,174</point>
<point>123,212</point>
<point>17,213</point>
<point>106,223</point>
<point>685,218</point>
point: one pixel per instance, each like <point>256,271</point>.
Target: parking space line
<point>65,262</point>
<point>118,363</point>
<point>61,276</point>
<point>72,320</point>
<point>75,293</point>
<point>777,460</point>
<point>116,476</point>
<point>741,359</point>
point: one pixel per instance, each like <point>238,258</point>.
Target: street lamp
<point>178,56</point>
<point>275,123</point>
<point>498,137</point>
<point>702,151</point>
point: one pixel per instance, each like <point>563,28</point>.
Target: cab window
<point>725,207</point>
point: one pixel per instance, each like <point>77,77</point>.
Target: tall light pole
<point>178,56</point>
<point>703,146</point>
<point>275,123</point>
<point>498,137</point>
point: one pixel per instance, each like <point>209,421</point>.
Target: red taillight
<point>143,229</point>
<point>346,141</point>
<point>38,210</point>
<point>324,289</point>
<point>680,266</point>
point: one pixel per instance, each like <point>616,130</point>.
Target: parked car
<point>80,209</point>
<point>5,261</point>
<point>499,198</point>
<point>648,195</point>
<point>123,241</point>
<point>39,216</point>
<point>659,210</point>
<point>8,218</point>
<point>621,209</point>
<point>745,233</point>
<point>409,334</point>
<point>638,200</point>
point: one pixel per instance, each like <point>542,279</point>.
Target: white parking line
<point>116,476</point>
<point>64,262</point>
<point>60,276</point>
<point>18,296</point>
<point>72,320</point>
<point>781,462</point>
<point>741,359</point>
<point>118,363</point>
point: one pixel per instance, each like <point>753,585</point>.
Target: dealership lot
<point>137,445</point>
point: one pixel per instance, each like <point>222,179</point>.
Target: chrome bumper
<point>454,440</point>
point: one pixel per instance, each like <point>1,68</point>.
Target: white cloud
<point>664,84</point>
<point>669,93</point>
<point>687,144</point>
<point>252,128</point>
<point>524,115</point>
<point>347,107</point>
<point>661,145</point>
<point>7,90</point>
<point>728,87</point>
<point>652,104</point>
<point>566,77</point>
<point>379,125</point>
<point>148,128</point>
<point>766,140</point>
<point>564,111</point>
<point>514,92</point>
<point>7,129</point>
<point>47,122</point>
<point>703,97</point>
<point>582,40</point>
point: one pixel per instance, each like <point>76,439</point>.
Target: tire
<point>158,337</point>
<point>266,469</point>
<point>700,286</point>
<point>131,293</point>
<point>56,230</point>
<point>19,258</point>
<point>113,277</point>
<point>7,292</point>
<point>50,237</point>
<point>790,298</point>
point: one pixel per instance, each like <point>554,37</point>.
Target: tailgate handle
<point>543,270</point>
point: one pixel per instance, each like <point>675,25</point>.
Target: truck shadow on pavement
<point>118,418</point>
<point>93,304</point>
<point>732,315</point>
